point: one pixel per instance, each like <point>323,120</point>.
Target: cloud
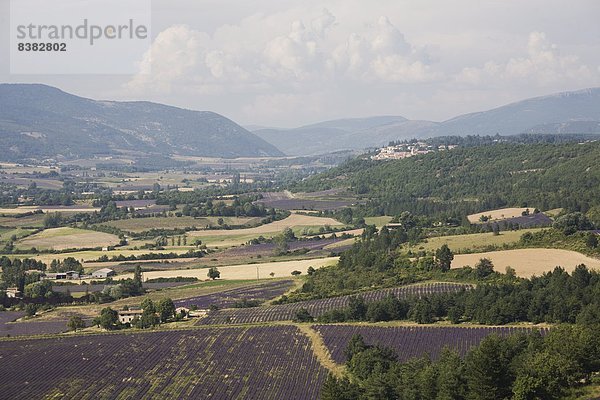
<point>175,56</point>
<point>290,63</point>
<point>230,58</point>
<point>382,54</point>
<point>543,65</point>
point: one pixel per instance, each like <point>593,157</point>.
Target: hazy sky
<point>288,63</point>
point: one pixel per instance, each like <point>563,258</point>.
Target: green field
<point>378,221</point>
<point>461,243</point>
<point>6,233</point>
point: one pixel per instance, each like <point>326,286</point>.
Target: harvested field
<point>67,238</point>
<point>293,221</point>
<point>246,271</point>
<point>529,262</point>
<point>502,213</point>
<point>316,308</point>
<point>460,243</point>
<point>233,363</point>
<point>412,341</point>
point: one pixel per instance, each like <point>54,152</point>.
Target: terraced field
<point>316,308</point>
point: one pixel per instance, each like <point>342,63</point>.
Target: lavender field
<point>29,328</point>
<point>316,308</point>
<point>250,363</point>
<point>261,292</point>
<point>527,221</point>
<point>411,341</point>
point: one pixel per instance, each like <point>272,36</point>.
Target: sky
<point>289,63</point>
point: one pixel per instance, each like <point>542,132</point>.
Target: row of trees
<point>555,297</point>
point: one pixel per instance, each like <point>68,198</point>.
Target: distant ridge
<point>560,113</point>
<point>39,121</point>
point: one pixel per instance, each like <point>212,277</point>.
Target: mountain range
<point>569,112</point>
<point>39,122</point>
<point>43,122</point>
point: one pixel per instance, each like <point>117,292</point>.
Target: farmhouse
<point>13,292</point>
<point>63,275</point>
<point>182,310</point>
<point>103,273</point>
<point>125,317</point>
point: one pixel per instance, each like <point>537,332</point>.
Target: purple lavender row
<point>262,292</point>
<point>316,308</point>
<point>255,363</point>
<point>412,341</point>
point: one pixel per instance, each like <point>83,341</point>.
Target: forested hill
<point>466,180</point>
<point>38,122</point>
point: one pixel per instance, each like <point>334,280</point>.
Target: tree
<point>109,318</point>
<point>310,271</point>
<point>166,309</point>
<point>355,345</point>
<point>487,369</point>
<point>592,240</point>
<point>30,309</point>
<point>75,323</point>
<point>573,222</point>
<point>149,317</point>
<point>484,268</point>
<point>213,273</point>
<point>444,257</point>
<point>303,315</point>
<point>137,278</point>
<point>68,264</point>
<point>38,290</point>
<point>496,229</point>
<point>450,378</point>
<point>357,308</point>
<point>544,375</point>
<point>148,304</point>
<point>339,389</point>
<point>53,220</point>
